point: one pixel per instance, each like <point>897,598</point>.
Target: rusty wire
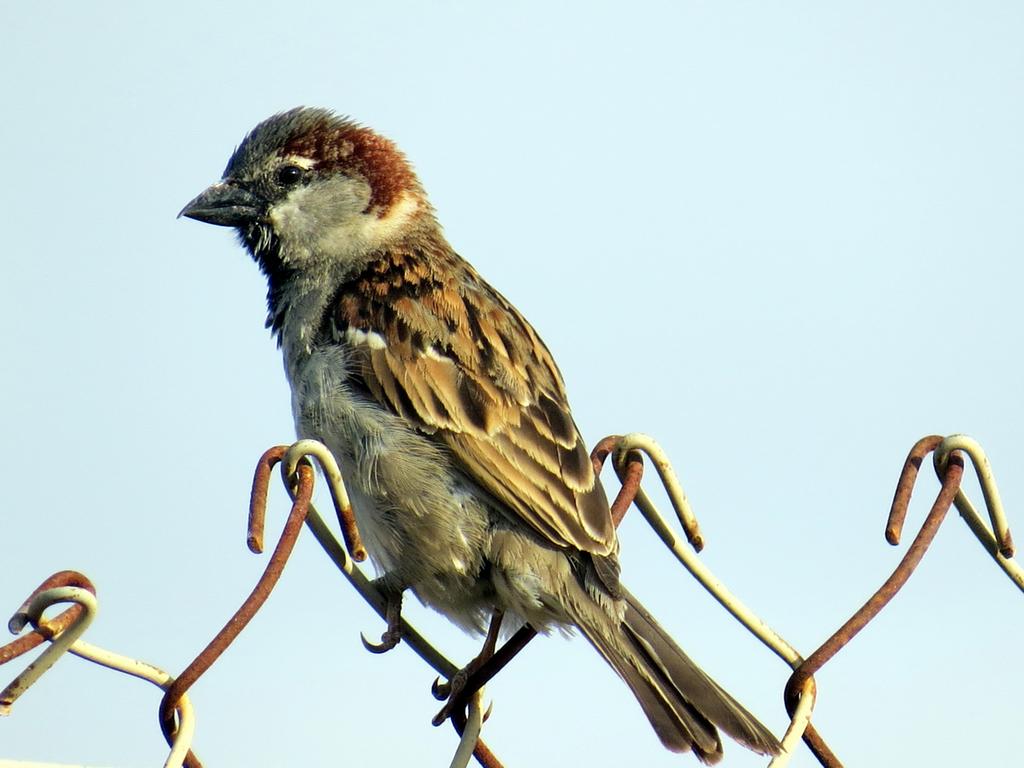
<point>885,593</point>
<point>628,464</point>
<point>298,476</point>
<point>949,466</point>
<point>801,690</point>
<point>468,717</point>
<point>629,467</point>
<point>258,596</point>
<point>469,743</point>
<point>54,626</point>
<point>258,499</point>
<point>629,479</point>
<point>306,449</point>
<point>63,632</point>
<point>626,447</point>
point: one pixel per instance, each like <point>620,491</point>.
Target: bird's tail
<point>683,704</point>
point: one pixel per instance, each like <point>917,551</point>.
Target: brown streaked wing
<point>463,365</point>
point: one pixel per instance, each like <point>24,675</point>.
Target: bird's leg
<point>392,593</point>
<point>455,690</point>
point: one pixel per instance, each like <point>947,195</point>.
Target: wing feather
<point>441,348</point>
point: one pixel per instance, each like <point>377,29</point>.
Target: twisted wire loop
<point>948,461</point>
<point>63,632</point>
<point>950,486</point>
<point>628,445</point>
<point>302,488</point>
<point>176,715</point>
<point>627,460</point>
<point>996,539</point>
<point>298,476</point>
<point>305,449</point>
<point>51,628</point>
<point>628,463</point>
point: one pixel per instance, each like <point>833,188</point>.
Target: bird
<point>470,481</point>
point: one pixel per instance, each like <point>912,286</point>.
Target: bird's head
<point>308,186</point>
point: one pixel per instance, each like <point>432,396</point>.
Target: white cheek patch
<point>324,216</point>
<point>372,339</point>
<point>394,221</point>
<point>366,230</point>
<point>290,219</point>
<point>331,219</point>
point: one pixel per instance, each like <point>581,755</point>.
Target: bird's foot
<point>391,636</point>
<point>454,690</point>
<point>457,690</point>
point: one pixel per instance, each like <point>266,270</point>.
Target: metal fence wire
<point>63,633</point>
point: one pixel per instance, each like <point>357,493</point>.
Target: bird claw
<point>388,640</point>
<point>452,691</point>
<point>440,690</point>
<point>391,636</point>
<point>455,689</point>
<point>444,691</point>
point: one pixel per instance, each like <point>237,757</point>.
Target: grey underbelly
<point>424,523</point>
<point>421,522</point>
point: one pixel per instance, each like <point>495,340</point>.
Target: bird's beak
<point>225,204</point>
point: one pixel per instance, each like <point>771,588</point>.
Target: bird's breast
<point>420,519</point>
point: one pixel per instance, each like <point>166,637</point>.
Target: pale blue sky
<point>783,238</point>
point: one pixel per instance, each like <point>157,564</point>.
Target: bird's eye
<point>289,175</point>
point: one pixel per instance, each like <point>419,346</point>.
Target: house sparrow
<point>469,479</point>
